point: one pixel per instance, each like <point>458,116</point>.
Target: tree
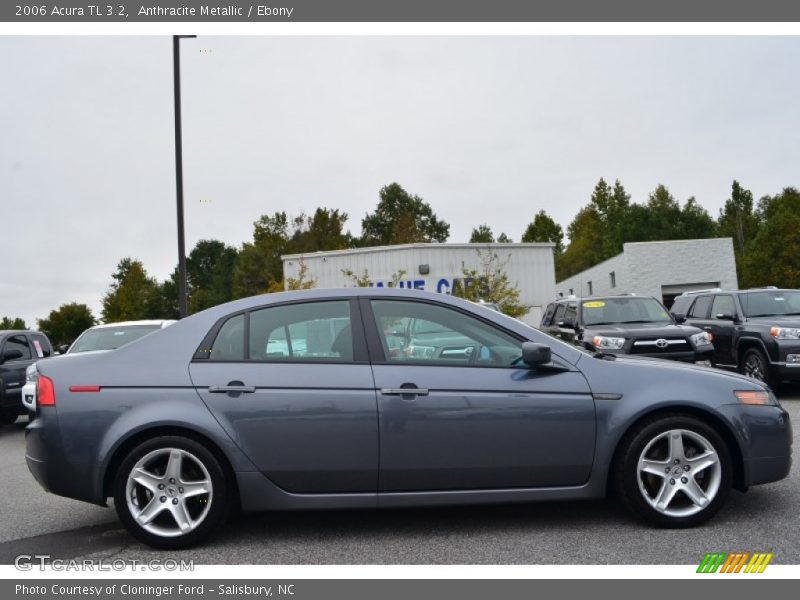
<point>133,294</point>
<point>738,220</point>
<point>15,323</point>
<point>504,239</point>
<point>402,218</point>
<point>771,256</point>
<point>303,281</point>
<point>324,230</point>
<point>259,264</point>
<point>64,324</point>
<point>364,279</point>
<point>544,229</point>
<point>209,270</point>
<point>481,235</point>
<point>585,247</point>
<point>490,283</point>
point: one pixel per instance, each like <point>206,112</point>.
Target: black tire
<point>626,480</point>
<point>8,417</point>
<point>220,500</point>
<point>754,364</point>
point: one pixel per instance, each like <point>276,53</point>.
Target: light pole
<point>176,59</point>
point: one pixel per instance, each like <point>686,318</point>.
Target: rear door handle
<point>404,391</point>
<point>228,389</point>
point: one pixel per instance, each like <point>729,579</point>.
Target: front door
<point>292,386</point>
<point>721,325</point>
<point>458,411</point>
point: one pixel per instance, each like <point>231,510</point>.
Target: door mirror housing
<point>725,316</point>
<point>535,355</point>
<point>11,354</point>
<point>679,318</point>
<point>62,349</point>
<point>567,323</point>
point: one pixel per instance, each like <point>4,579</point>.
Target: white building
<point>434,267</point>
<point>659,269</point>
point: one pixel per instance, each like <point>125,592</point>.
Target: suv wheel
<point>674,471</point>
<point>171,492</point>
<point>755,364</point>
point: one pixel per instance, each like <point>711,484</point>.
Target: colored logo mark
<point>734,562</point>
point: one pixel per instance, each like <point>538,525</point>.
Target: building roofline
<point>674,241</point>
<point>427,246</point>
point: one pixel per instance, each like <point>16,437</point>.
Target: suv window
<point>560,313</point>
<point>723,305</point>
<point>681,305</point>
<point>18,342</point>
<point>448,336</point>
<point>313,331</point>
<point>41,346</point>
<point>548,315</point>
<point>700,308</point>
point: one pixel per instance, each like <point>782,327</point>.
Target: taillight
<point>45,393</point>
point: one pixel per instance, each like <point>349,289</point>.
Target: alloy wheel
<point>754,367</point>
<point>679,473</point>
<point>169,492</point>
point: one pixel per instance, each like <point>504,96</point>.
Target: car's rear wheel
<point>674,471</point>
<point>171,492</point>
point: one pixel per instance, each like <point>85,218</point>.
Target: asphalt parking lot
<point>763,519</point>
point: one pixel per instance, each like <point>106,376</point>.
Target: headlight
<point>785,333</point>
<point>755,397</point>
<point>610,343</point>
<point>701,339</point>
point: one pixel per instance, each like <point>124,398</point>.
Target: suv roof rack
<point>763,287</point>
<point>705,291</point>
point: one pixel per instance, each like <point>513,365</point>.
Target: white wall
<point>645,267</point>
<point>529,266</point>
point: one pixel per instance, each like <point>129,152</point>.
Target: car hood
<point>642,330</point>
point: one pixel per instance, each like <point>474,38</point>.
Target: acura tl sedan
<point>357,398</point>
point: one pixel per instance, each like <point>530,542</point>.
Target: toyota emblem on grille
<point>662,343</point>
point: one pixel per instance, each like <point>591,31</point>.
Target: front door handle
<point>231,389</point>
<point>409,391</point>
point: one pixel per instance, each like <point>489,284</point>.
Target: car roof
<point>8,331</point>
<point>610,296</point>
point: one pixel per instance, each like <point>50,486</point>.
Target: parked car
<point>755,331</point>
<point>18,350</point>
<point>182,424</point>
<point>109,336</point>
<point>628,324</point>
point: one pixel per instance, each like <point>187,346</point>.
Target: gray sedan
<point>358,398</point>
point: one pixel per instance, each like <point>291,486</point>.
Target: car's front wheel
<point>674,471</point>
<point>171,492</point>
<point>755,364</point>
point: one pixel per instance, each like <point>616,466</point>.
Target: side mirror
<point>62,349</point>
<point>11,354</point>
<point>679,318</point>
<point>534,354</point>
<point>725,316</point>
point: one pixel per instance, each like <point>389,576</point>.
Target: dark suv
<point>627,324</point>
<point>755,331</point>
<point>18,350</point>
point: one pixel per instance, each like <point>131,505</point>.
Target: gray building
<point>660,269</point>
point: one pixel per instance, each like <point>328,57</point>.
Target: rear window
<point>110,338</point>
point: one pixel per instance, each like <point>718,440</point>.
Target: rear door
<point>292,385</point>
<point>457,411</point>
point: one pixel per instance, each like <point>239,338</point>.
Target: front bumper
<point>765,440</point>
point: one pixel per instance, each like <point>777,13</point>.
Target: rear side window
<point>18,342</point>
<point>313,331</point>
<point>548,315</point>
<point>681,305</point>
<point>229,343</point>
<point>560,313</point>
<point>723,305</point>
<point>700,308</point>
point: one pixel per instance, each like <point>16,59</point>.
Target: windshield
<point>769,303</point>
<point>623,310</point>
<point>110,338</point>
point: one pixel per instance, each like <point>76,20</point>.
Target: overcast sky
<point>486,129</point>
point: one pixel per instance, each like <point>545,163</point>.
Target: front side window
<point>313,331</point>
<point>41,346</point>
<point>18,342</point>
<point>428,334</point>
